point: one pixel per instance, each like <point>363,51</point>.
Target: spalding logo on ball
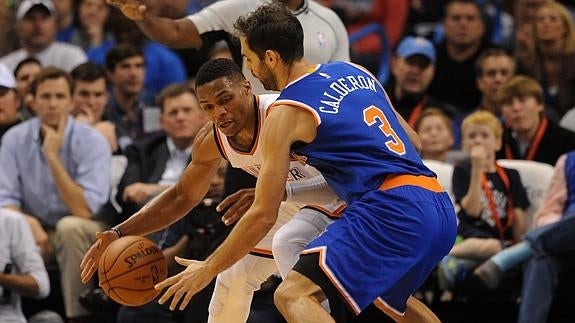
<point>130,268</point>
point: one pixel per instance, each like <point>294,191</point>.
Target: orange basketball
<point>129,268</point>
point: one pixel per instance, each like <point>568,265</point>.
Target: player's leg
<point>299,300</point>
<point>415,312</point>
<point>235,287</point>
<point>292,238</point>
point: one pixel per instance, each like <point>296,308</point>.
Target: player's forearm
<point>247,233</point>
<point>310,191</point>
<point>180,33</point>
<point>163,210</point>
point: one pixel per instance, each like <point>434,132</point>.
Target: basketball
<point>129,268</point>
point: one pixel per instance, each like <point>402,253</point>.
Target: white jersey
<point>251,162</point>
<point>325,36</point>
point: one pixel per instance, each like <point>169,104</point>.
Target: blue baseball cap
<point>411,45</point>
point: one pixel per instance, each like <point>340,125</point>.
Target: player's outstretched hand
<point>132,9</point>
<point>186,284</point>
<point>236,204</point>
<point>89,264</point>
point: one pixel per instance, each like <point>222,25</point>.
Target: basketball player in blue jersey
<point>399,222</point>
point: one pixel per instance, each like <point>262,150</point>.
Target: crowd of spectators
<point>82,85</point>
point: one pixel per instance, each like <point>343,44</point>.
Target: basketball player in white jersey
<point>237,119</point>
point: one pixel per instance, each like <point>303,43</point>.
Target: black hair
<point>273,27</point>
<point>217,68</point>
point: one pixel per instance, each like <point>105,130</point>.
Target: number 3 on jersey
<point>372,115</point>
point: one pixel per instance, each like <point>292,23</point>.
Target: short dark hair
<point>273,27</point>
<point>218,68</point>
<point>26,61</point>
<point>485,54</point>
<point>88,72</point>
<point>172,90</point>
<point>120,53</point>
<point>51,73</point>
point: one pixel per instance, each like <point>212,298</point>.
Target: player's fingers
<point>87,273</point>
<point>229,200</point>
<point>186,300</point>
<point>234,213</point>
<point>176,299</point>
<point>167,282</point>
<point>183,261</point>
<point>167,294</point>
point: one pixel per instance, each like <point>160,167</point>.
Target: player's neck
<point>295,71</point>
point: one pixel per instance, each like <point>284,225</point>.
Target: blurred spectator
<point>493,68</point>
<point>129,102</point>
<point>413,68</point>
<point>435,131</point>
<point>454,80</point>
<point>64,19</point>
<point>423,17</point>
<point>36,27</point>
<point>391,14</point>
<point>92,27</point>
<point>548,248</point>
<point>25,72</point>
<point>154,164</point>
<point>158,59</point>
<point>529,134</point>
<point>523,18</point>
<point>551,58</point>
<point>90,98</point>
<point>9,41</point>
<point>52,173</point>
<point>9,101</point>
<point>23,271</point>
<point>492,200</point>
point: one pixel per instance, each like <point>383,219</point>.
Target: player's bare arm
<point>277,137</point>
<point>169,206</point>
<point>175,33</point>
<point>413,136</point>
<point>314,190</point>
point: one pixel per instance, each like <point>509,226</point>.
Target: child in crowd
<point>492,201</point>
<point>434,130</point>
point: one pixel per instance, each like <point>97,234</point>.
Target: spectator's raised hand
<point>53,138</point>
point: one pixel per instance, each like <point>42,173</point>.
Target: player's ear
<point>271,57</point>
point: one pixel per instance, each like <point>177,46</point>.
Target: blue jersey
<point>359,140</point>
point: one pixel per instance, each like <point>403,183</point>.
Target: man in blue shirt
<point>55,171</point>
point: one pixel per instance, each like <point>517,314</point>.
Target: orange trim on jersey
<point>296,104</point>
<point>322,264</point>
<point>429,183</point>
<point>335,214</point>
<point>266,253</point>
